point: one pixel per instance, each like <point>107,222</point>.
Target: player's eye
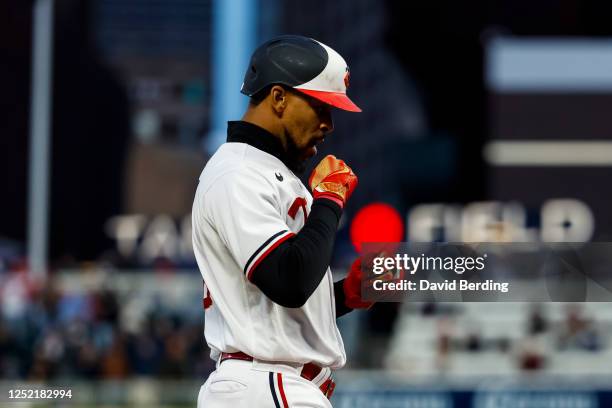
<point>320,108</point>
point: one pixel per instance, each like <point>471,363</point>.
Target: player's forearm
<point>341,307</point>
<point>290,274</point>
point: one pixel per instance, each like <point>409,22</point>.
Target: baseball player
<point>263,241</point>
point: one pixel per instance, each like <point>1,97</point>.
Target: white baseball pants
<point>253,384</point>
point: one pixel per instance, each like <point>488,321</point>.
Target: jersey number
<point>298,203</point>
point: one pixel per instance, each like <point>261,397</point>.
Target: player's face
<point>306,121</point>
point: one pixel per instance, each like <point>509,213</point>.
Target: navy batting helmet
<point>303,64</point>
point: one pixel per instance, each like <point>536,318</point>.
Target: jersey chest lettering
<point>298,203</point>
<point>295,199</point>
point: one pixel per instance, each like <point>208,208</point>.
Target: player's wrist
<point>330,197</point>
<point>324,207</point>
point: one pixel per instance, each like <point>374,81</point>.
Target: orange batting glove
<point>332,179</point>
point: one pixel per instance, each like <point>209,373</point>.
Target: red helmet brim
<point>336,99</point>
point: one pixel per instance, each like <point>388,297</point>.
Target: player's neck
<point>272,126</point>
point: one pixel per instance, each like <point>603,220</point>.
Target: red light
<point>376,222</point>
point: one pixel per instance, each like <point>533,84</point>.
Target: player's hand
<point>354,280</point>
<point>332,179</point>
<point>352,287</point>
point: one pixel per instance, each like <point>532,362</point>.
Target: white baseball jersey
<point>247,203</point>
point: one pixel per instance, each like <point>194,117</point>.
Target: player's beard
<point>295,157</point>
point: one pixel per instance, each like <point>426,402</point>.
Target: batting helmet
<point>303,64</point>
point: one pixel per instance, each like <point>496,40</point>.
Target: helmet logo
<point>347,76</point>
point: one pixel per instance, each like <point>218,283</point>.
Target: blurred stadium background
<point>483,121</point>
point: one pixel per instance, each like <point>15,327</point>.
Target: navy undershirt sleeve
<point>290,274</point>
<point>341,307</point>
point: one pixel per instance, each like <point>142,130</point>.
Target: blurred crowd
<point>59,331</point>
<point>532,339</point>
<point>50,334</point>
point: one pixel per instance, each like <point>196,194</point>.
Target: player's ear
<point>278,99</point>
